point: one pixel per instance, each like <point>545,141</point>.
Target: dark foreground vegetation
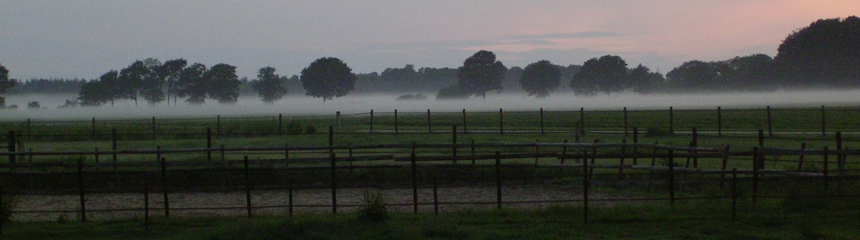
<point>694,220</point>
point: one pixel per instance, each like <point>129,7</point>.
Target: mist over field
<point>385,103</point>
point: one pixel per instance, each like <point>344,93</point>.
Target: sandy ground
<point>127,206</point>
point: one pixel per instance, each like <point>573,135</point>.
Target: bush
<point>8,203</point>
<point>294,127</point>
<point>374,209</point>
<point>310,129</point>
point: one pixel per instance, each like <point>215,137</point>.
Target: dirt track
<point>276,202</point>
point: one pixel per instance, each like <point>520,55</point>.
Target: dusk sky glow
<point>83,39</point>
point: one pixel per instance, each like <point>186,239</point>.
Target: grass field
<point>779,216</point>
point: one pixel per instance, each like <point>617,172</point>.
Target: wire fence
<point>421,178</point>
<point>719,122</point>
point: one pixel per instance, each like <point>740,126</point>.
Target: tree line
<point>825,54</point>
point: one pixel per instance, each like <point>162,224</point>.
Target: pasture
<point>735,163</point>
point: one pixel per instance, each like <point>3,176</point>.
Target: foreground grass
<point>643,221</point>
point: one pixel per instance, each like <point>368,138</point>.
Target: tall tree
<point>540,78</point>
<point>481,73</point>
<point>695,75</point>
<point>100,91</point>
<point>5,83</point>
<point>327,78</point>
<point>192,84</point>
<point>131,80</point>
<point>170,70</point>
<point>269,85</point>
<point>223,83</point>
<point>152,86</point>
<point>606,74</point>
<point>824,54</point>
<point>645,81</point>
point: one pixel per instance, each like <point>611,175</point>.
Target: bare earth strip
<point>304,201</point>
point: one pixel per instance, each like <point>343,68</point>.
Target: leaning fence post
<point>414,183</point>
<point>501,122</point>
<point>769,123</point>
<point>671,178</point>
<point>734,192</point>
<point>81,189</point>
<point>247,187</point>
<point>333,184</point>
<point>498,180</point>
<point>164,187</point>
<point>585,190</point>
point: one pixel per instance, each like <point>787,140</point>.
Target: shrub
<point>310,129</point>
<point>294,127</point>
<point>373,209</point>
<point>8,203</point>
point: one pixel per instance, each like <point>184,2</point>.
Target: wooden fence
<point>416,167</point>
<point>716,122</point>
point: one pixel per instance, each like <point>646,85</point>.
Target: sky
<point>86,38</point>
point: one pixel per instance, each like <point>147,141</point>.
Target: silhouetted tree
<point>540,78</point>
<point>695,75</point>
<point>222,82</point>
<point>328,78</point>
<point>824,54</point>
<point>269,85</point>
<point>192,84</point>
<point>5,83</point>
<point>170,71</point>
<point>645,81</point>
<point>481,73</point>
<point>606,74</point>
<point>100,91</point>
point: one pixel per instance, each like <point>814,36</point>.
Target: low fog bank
<point>380,103</point>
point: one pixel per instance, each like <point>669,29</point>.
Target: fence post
<point>582,120</point>
<point>498,180</point>
<point>146,201</point>
<point>769,123</point>
<point>501,122</point>
<point>414,183</point>
<point>333,184</point>
<point>280,125</point>
<point>337,120</point>
<point>695,143</point>
<point>823,122</point>
<point>435,198</point>
<point>247,187</point>
<point>625,122</point>
<point>755,176</point>
<point>290,197</point>
<point>11,146</point>
<point>671,121</point>
<point>218,126</point>
<point>541,122</point>
<point>81,189</point>
<point>723,167</point>
<point>29,128</point>
<point>734,192</point>
<point>826,174</point>
<point>113,144</point>
<point>396,130</point>
<point>719,121</point>
<point>94,129</point>
<point>371,121</point>
<point>759,163</point>
<point>621,161</point>
<point>209,144</point>
<point>635,149</point>
<point>800,158</point>
<point>585,190</point>
<point>154,130</point>
<point>464,122</point>
<point>454,146</point>
<point>164,187</point>
<point>671,177</point>
<point>429,122</point>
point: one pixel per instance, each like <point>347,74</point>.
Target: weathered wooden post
<point>501,122</point>
<point>209,144</point>
<point>625,122</point>
<point>371,121</point>
<point>396,130</point>
<point>719,122</point>
<point>769,123</point>
<point>671,121</point>
<point>429,122</point>
<point>541,122</point>
<point>823,122</point>
<point>454,141</point>
<point>280,125</point>
<point>218,126</point>
<point>163,164</point>
<point>582,120</point>
<point>94,129</point>
<point>83,198</point>
<point>154,130</point>
<point>465,130</point>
